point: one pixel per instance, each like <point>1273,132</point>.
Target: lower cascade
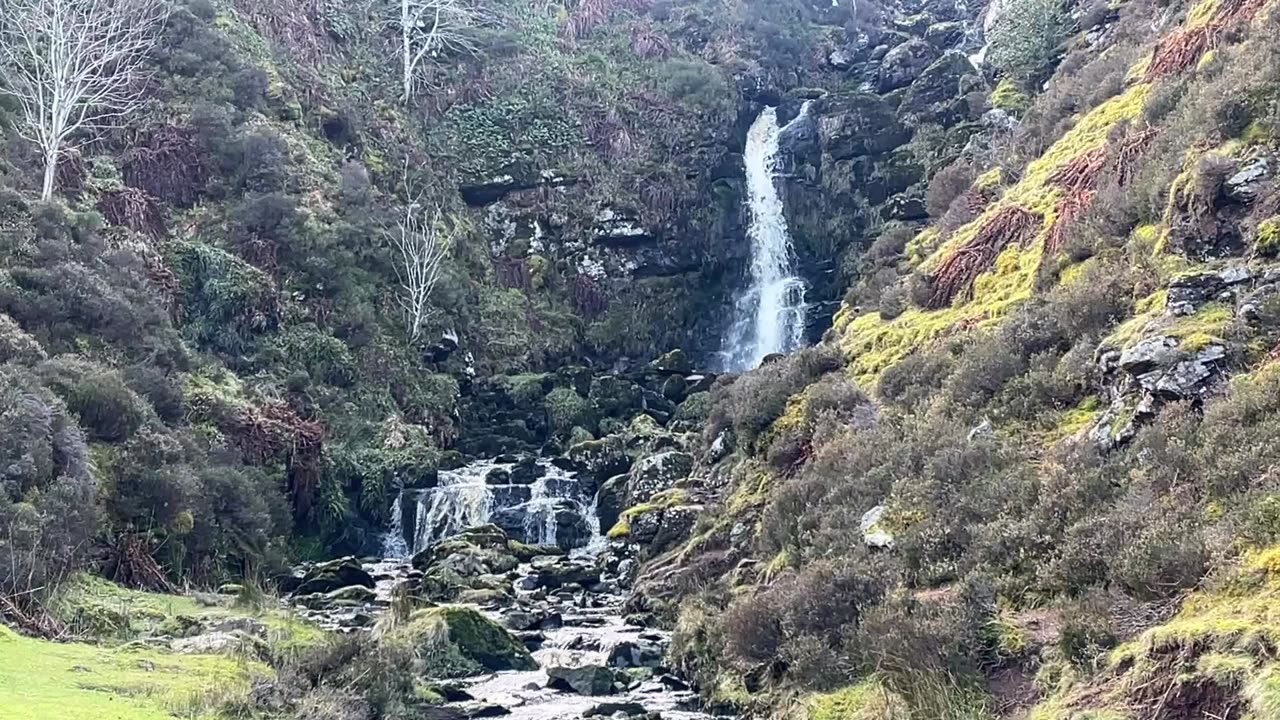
<point>534,501</point>
<point>769,314</point>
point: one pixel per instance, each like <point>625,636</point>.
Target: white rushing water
<point>464,498</point>
<point>769,315</point>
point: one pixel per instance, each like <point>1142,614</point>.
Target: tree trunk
<point>406,48</point>
<point>50,171</point>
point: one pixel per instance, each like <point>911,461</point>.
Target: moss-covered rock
<point>600,459</point>
<point>475,638</point>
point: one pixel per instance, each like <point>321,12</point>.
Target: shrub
<point>107,408</point>
<point>47,505</point>
<point>1026,34</point>
<point>752,402</point>
<point>948,185</point>
<point>567,409</point>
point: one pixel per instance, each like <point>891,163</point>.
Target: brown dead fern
<point>956,275</point>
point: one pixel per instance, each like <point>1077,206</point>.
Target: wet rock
<point>332,575</point>
<point>486,711</point>
<point>904,63</point>
<point>945,35</point>
<point>526,471</point>
<point>586,679</point>
<point>498,476</point>
<point>676,362</point>
<point>626,709</point>
<point>611,500</point>
<point>633,654</point>
<point>1246,184</point>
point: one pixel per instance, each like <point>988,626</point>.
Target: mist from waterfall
<point>769,314</point>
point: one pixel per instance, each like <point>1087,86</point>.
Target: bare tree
<point>422,239</point>
<point>429,28</point>
<point>74,65</point>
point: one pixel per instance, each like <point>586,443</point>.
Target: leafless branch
<point>74,65</point>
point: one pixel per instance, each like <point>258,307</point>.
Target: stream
<point>577,625</point>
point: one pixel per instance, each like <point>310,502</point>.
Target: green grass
<point>102,610</point>
<point>42,680</point>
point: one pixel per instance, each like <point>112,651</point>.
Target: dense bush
<point>1026,33</point>
<point>47,505</point>
<point>750,403</point>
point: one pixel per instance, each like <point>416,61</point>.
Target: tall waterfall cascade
<point>769,314</point>
<point>556,508</point>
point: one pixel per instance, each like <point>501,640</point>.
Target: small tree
<point>422,240</point>
<point>74,65</point>
<point>429,28</point>
<point>1025,34</point>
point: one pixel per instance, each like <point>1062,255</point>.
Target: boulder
<point>476,638</point>
<point>655,473</point>
<point>611,500</point>
<point>1247,183</point>
<point>585,679</point>
<point>637,653</point>
<point>904,63</point>
<point>676,362</point>
<point>600,459</point>
<point>939,93</point>
<point>859,124</point>
<point>613,709</point>
<point>945,35</point>
<point>329,576</point>
<point>212,643</point>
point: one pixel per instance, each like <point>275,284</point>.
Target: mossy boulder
<point>904,63</point>
<point>582,679</point>
<point>938,95</point>
<point>600,459</point>
<point>616,396</point>
<point>657,473</point>
<point>476,551</point>
<point>481,642</point>
<point>333,575</point>
<point>858,124</point>
<point>676,362</point>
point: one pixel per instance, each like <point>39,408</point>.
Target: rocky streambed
<point>565,607</point>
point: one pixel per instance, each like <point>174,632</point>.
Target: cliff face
<point>1054,413</point>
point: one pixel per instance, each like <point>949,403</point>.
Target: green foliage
<point>567,409</point>
<point>1026,33</point>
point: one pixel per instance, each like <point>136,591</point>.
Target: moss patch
<point>470,635</point>
<point>868,700</point>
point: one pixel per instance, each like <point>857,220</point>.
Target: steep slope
<point>1053,419</point>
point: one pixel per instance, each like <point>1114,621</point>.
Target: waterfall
<point>769,315</point>
<point>393,542</point>
<point>553,509</point>
<point>463,499</point>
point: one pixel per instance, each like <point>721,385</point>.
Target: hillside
<point>1012,457</point>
